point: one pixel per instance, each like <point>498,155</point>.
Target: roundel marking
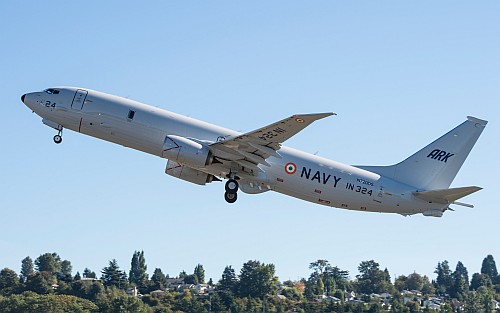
<point>299,120</point>
<point>290,168</point>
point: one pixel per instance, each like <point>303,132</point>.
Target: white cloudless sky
<point>399,75</point>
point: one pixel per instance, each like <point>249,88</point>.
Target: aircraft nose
<point>22,97</point>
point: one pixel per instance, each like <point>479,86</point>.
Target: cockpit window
<point>52,91</point>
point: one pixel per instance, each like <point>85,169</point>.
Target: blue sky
<point>399,75</point>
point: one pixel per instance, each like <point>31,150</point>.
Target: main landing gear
<point>58,137</point>
<point>231,194</point>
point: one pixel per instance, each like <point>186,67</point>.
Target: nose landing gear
<point>58,137</point>
<point>231,194</point>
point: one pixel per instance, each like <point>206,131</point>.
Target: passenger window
<point>131,114</point>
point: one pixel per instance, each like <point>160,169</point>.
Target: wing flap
<point>446,196</point>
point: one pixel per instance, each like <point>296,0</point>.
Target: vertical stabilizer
<point>436,165</point>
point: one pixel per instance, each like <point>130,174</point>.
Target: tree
<point>191,279</point>
<point>486,297</point>
<point>158,280</point>
<point>256,279</point>
<point>490,268</point>
<point>138,268</point>
<point>48,262</point>
<point>444,280</point>
<point>319,266</point>
<point>414,282</point>
<point>36,303</point>
<point>229,281</point>
<point>372,279</point>
<point>8,281</point>
<point>77,276</point>
<point>112,276</point>
<point>340,277</point>
<point>40,282</point>
<point>479,280</point>
<point>460,283</point>
<point>27,268</point>
<point>473,303</point>
<point>88,273</point>
<point>199,272</point>
<point>320,286</point>
<point>427,287</point>
<point>400,282</point>
<point>65,271</point>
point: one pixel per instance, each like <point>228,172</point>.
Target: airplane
<point>256,161</point>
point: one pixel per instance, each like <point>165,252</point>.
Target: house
<point>203,288</point>
<point>132,292</point>
<point>327,298</point>
<point>349,295</point>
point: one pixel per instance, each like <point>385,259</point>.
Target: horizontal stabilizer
<point>446,196</point>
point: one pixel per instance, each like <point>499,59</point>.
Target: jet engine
<point>189,174</point>
<point>186,151</point>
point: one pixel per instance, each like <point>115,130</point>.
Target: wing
<point>253,148</point>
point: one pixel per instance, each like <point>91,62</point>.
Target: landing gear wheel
<point>230,197</point>
<point>232,186</point>
<point>57,139</point>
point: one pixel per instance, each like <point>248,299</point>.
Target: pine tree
<point>444,280</point>
<point>87,273</point>
<point>48,262</point>
<point>27,268</point>
<point>137,274</point>
<point>8,279</point>
<point>229,281</point>
<point>158,280</point>
<point>65,271</point>
<point>112,276</point>
<point>199,272</point>
<point>490,268</point>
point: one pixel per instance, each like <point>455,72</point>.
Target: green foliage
<point>191,279</point>
<point>229,281</point>
<point>137,274</point>
<point>199,272</point>
<point>479,280</point>
<point>89,274</point>
<point>40,283</point>
<point>36,303</point>
<point>253,291</point>
<point>48,262</point>
<point>489,268</point>
<point>158,280</point>
<point>27,268</point>
<point>9,282</point>
<point>65,271</point>
<point>372,279</point>
<point>444,280</point>
<point>116,300</point>
<point>112,276</point>
<point>256,279</point>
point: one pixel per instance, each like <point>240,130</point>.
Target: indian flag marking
<point>290,168</point>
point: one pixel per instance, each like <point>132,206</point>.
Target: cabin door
<point>79,99</point>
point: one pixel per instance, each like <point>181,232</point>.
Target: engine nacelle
<point>186,173</point>
<point>186,151</point>
<point>433,213</point>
